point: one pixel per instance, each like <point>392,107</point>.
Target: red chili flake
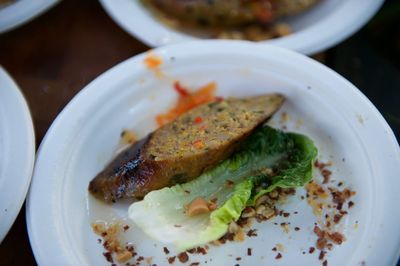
<point>260,218</point>
<point>328,224</point>
<point>296,229</point>
<point>229,183</point>
<point>182,91</point>
<point>252,232</point>
<point>183,257</point>
<point>327,175</point>
<point>238,258</point>
<point>321,255</point>
<point>350,204</point>
<point>129,247</point>
<point>321,243</point>
<point>108,257</point>
<point>228,236</point>
<point>194,264</point>
<point>166,250</point>
<point>203,127</point>
<point>171,259</point>
<point>279,256</point>
<point>201,250</point>
<point>286,214</point>
<point>318,231</point>
<point>249,252</point>
<point>336,237</point>
<point>191,251</point>
<point>311,250</point>
<point>105,244</point>
<point>325,263</point>
<point>198,144</point>
<point>140,258</point>
<point>126,227</point>
<point>274,249</point>
<point>152,61</point>
<point>198,120</point>
<point>337,218</point>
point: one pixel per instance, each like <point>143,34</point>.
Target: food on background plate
<point>230,19</point>
<point>183,149</point>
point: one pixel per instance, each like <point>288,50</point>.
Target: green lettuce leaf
<point>296,171</point>
<point>161,214</point>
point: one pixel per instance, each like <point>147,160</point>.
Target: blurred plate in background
<point>321,27</point>
<point>17,151</point>
<point>16,13</point>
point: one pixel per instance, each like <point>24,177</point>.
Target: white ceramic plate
<point>341,120</point>
<point>19,12</point>
<point>323,26</point>
<point>17,151</point>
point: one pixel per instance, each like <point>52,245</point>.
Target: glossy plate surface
<point>346,127</point>
<point>17,151</point>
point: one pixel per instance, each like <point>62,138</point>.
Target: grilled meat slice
<point>230,12</point>
<point>183,149</point>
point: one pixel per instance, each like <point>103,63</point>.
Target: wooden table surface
<point>55,56</point>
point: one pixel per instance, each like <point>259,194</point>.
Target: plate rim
<point>25,123</point>
<point>87,91</point>
<point>25,13</point>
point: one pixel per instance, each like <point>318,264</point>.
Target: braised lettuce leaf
<point>233,183</point>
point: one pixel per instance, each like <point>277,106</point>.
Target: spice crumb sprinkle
<point>183,257</point>
<point>249,252</point>
<point>171,260</point>
<point>166,250</point>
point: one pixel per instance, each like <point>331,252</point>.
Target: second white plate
<point>19,12</point>
<point>17,151</point>
<point>321,27</point>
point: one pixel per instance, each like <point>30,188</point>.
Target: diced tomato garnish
<point>198,120</point>
<point>198,144</point>
<point>187,101</point>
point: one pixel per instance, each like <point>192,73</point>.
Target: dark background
<point>57,54</point>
